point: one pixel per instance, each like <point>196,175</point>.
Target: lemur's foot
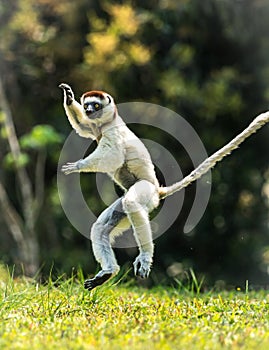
<point>100,278</point>
<point>142,265</point>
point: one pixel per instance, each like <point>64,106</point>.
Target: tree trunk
<point>22,227</point>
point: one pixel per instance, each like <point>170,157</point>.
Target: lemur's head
<point>99,107</point>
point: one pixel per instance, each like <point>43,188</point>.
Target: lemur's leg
<point>141,199</point>
<point>112,221</point>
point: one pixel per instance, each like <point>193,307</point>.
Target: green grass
<point>62,315</point>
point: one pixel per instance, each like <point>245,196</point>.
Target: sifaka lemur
<point>122,155</point>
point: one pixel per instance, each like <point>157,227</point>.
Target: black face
<point>93,109</point>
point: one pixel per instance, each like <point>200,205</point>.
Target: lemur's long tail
<point>210,162</point>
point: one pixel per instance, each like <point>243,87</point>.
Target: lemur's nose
<point>89,108</point>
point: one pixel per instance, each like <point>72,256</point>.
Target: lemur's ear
<point>109,98</point>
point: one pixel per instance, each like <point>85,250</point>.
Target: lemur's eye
<point>96,106</point>
<point>85,106</point>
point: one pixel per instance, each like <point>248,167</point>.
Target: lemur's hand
<point>68,93</point>
<point>69,168</point>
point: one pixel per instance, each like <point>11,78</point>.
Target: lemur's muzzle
<point>89,110</point>
<point>92,113</point>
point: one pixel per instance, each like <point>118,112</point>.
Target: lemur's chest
<point>137,164</point>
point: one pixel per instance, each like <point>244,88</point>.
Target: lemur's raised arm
<point>75,113</point>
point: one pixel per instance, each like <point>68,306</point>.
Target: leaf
<point>40,136</point>
<point>21,161</point>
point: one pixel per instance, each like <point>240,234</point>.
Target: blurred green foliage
<point>206,60</point>
<point>40,136</point>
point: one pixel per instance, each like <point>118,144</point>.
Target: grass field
<point>62,315</point>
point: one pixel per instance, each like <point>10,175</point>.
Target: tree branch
<point>24,181</point>
<point>40,181</point>
<point>13,220</point>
